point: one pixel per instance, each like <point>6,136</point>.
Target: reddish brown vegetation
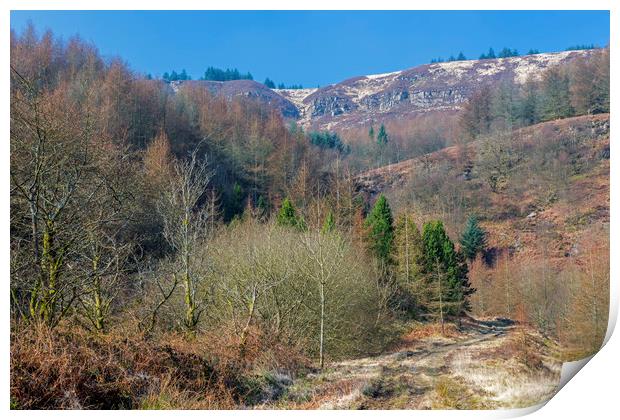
<point>72,368</point>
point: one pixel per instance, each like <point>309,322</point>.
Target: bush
<point>270,281</point>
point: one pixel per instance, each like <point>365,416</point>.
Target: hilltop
<point>361,100</point>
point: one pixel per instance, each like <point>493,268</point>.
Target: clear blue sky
<point>313,48</point>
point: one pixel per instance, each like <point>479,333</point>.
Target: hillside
<point>566,206</point>
<point>245,89</point>
<point>358,101</point>
<point>186,245</point>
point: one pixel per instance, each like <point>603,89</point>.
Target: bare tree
<point>185,217</point>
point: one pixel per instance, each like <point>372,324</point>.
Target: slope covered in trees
<point>211,245</point>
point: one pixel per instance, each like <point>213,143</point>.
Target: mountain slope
<point>439,87</point>
<point>430,87</point>
<point>246,89</point>
<point>559,182</point>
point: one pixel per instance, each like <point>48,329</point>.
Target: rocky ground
<point>479,365</point>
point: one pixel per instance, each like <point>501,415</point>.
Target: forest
<point>176,249</point>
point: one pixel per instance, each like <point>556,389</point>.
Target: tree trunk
<point>322,329</point>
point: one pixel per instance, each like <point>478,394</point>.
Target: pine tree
<point>556,95</point>
<point>461,57</point>
<point>473,239</point>
<point>330,224</point>
<point>371,133</point>
<point>529,104</point>
<point>262,205</point>
<point>269,83</point>
<point>287,216</point>
<point>237,199</point>
<point>446,273</point>
<point>380,224</point>
<point>382,136</point>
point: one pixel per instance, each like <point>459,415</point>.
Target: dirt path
<point>487,364</point>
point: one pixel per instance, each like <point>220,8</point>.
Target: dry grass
<point>423,331</point>
<point>450,394</point>
<point>515,371</point>
<point>69,367</point>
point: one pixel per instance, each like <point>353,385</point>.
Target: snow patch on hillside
<point>454,69</point>
<point>534,65</point>
<point>297,96</point>
<point>369,85</point>
<point>382,75</point>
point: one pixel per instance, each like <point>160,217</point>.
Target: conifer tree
<point>330,224</point>
<point>556,95</point>
<point>473,239</point>
<point>446,273</point>
<point>237,199</point>
<point>380,224</point>
<point>529,104</point>
<point>371,133</point>
<point>382,136</point>
<point>287,216</point>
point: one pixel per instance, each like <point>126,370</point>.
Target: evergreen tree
<point>446,273</point>
<point>269,83</point>
<point>262,205</point>
<point>461,57</point>
<point>529,104</point>
<point>382,136</point>
<point>287,216</point>
<point>371,133</point>
<point>166,77</point>
<point>330,224</point>
<point>237,198</point>
<point>380,225</point>
<point>491,53</point>
<point>556,95</point>
<point>473,239</point>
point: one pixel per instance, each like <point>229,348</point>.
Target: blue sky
<point>315,47</point>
